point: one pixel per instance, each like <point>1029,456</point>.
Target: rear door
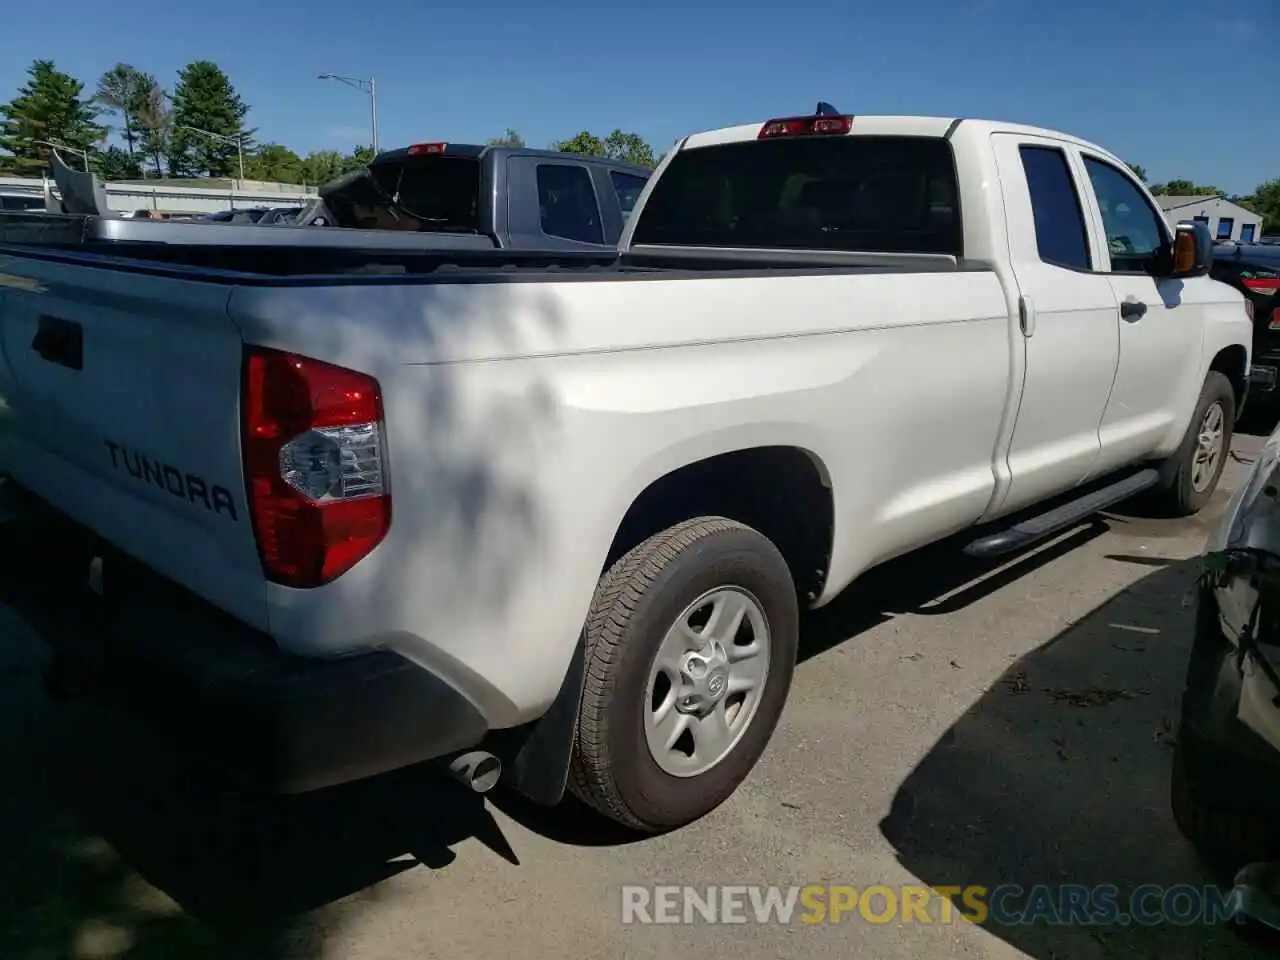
<point>1069,335</point>
<point>124,394</point>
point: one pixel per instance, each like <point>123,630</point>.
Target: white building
<point>1225,220</point>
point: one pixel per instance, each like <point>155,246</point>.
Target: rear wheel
<point>691,644</point>
<point>1191,474</point>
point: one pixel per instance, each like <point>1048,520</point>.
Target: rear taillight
<point>315,466</point>
<point>426,149</point>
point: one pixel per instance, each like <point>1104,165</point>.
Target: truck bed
<point>254,255</point>
<point>64,229</point>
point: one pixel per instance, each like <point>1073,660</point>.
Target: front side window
<point>1135,232</point>
<point>628,188</point>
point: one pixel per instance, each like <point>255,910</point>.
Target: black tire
<point>636,602</point>
<point>1225,835</point>
<point>1176,496</point>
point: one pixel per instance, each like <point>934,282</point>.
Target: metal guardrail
<point>180,198</point>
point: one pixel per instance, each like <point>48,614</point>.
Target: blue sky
<point>1183,87</point>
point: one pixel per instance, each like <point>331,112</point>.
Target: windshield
<point>431,193</point>
<point>885,194</point>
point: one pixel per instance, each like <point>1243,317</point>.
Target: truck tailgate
<point>123,390</point>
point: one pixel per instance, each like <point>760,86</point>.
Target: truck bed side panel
<point>141,443</point>
<point>524,418</point>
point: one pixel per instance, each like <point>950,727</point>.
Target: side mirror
<point>1192,250</point>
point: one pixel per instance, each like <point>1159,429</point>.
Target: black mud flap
<point>540,770</point>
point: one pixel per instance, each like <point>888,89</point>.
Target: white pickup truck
<point>556,515</point>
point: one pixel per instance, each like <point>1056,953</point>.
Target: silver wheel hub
<point>1210,444</point>
<point>706,681</point>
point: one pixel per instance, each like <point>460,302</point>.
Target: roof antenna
<point>825,109</point>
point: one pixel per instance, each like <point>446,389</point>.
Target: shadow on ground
<point>1059,775</point>
<point>114,848</point>
<point>117,849</point>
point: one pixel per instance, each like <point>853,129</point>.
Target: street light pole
<point>369,86</point>
<point>84,154</point>
<point>238,140</point>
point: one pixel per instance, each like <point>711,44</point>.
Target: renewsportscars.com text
<point>1006,905</point>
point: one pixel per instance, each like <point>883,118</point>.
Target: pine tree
<point>204,103</point>
<point>123,90</point>
<point>48,107</point>
<point>155,120</point>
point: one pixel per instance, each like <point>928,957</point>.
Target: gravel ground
<point>949,725</point>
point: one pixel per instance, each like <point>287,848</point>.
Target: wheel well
<point>1230,362</point>
<point>779,491</point>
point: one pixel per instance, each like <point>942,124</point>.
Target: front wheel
<point>1192,473</point>
<point>691,644</point>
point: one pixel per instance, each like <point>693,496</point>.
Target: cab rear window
<point>415,193</point>
<point>884,194</point>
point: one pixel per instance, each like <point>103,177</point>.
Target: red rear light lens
<point>1263,285</point>
<point>425,148</point>
<point>805,127</point>
<point>315,467</point>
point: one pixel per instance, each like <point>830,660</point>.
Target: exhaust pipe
<point>478,770</point>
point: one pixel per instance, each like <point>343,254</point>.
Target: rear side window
<point>628,188</point>
<point>1061,238</point>
<point>567,203</point>
<point>882,194</point>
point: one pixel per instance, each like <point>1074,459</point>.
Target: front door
<point>1067,341</point>
<point>1161,322</point>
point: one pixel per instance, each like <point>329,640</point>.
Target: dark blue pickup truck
<point>433,196</point>
<point>513,196</point>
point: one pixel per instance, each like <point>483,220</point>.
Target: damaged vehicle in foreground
<point>1226,764</point>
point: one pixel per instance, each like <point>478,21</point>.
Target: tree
<point>1184,188</point>
<point>584,143</point>
<point>122,90</point>
<point>49,106</point>
<point>155,120</point>
<point>275,163</point>
<point>204,100</point>
<point>1265,200</point>
<point>115,164</point>
<point>627,147</point>
<point>508,139</point>
<point>360,157</point>
<point>322,166</point>
<point>1139,171</point>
